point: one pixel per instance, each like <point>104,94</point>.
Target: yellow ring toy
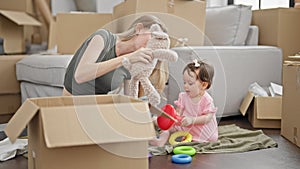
<point>184,137</point>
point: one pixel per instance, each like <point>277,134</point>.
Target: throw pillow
<point>227,25</point>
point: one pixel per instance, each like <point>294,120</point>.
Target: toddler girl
<point>195,106</point>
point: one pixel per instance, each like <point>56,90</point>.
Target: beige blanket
<point>231,139</point>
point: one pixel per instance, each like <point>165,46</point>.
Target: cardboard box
<point>106,6</point>
<point>103,131</point>
<point>184,19</point>
<point>263,112</point>
<point>13,30</point>
<point>73,28</point>
<point>9,104</point>
<point>36,34</point>
<point>10,97</point>
<point>9,84</point>
<point>279,27</point>
<point>290,124</point>
<point>18,5</point>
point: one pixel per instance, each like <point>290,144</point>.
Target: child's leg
<point>161,140</point>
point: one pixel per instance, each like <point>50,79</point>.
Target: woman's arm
<point>88,69</point>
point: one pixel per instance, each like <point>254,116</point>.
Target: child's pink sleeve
<point>178,102</point>
<point>209,107</point>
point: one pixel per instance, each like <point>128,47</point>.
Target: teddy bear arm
<point>165,54</point>
<point>126,63</point>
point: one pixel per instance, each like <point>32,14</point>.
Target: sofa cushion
<point>227,25</point>
<point>43,69</point>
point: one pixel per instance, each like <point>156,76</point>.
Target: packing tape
<point>298,77</point>
<point>295,135</point>
<point>171,5</point>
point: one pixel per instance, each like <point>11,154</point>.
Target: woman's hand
<point>141,55</point>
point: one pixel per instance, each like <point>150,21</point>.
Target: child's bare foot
<point>161,140</point>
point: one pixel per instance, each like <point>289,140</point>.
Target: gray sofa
<point>235,69</point>
<point>233,51</point>
<point>231,45</point>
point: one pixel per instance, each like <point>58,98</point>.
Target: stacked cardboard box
<point>290,125</point>
<point>184,19</point>
<point>73,28</point>
<point>10,97</point>
<point>279,27</point>
<point>17,22</point>
<point>36,34</point>
<point>18,5</point>
<point>182,23</point>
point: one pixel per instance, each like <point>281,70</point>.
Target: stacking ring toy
<point>188,150</point>
<point>184,136</point>
<point>181,159</point>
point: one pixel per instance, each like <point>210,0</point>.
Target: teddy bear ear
<point>155,27</point>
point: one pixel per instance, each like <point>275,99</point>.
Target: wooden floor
<point>286,156</point>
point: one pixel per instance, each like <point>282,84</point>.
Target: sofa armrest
<point>252,37</point>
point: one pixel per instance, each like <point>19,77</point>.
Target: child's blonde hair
<point>204,71</point>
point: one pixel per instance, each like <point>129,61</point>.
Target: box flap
<point>96,124</point>
<point>269,107</point>
<point>21,118</point>
<point>20,18</point>
<point>246,103</point>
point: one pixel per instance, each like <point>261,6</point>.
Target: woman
<point>96,67</point>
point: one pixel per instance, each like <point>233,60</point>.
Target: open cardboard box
<point>18,5</point>
<point>290,123</point>
<point>263,112</point>
<point>103,131</point>
<point>14,27</point>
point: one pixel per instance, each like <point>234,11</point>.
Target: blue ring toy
<point>181,158</point>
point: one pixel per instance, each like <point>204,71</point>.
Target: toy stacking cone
<point>164,122</point>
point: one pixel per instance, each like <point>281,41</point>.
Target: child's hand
<point>186,121</point>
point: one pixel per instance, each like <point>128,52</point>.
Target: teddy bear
<point>140,72</point>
